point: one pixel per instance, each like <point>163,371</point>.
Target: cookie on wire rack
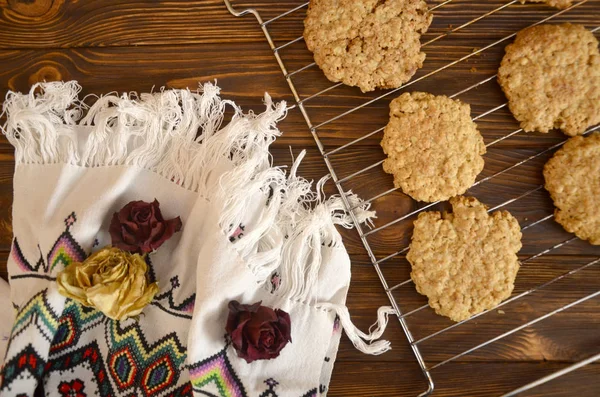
<point>466,261</point>
<point>551,77</point>
<point>572,177</point>
<point>369,43</point>
<point>433,146</point>
<point>561,4</point>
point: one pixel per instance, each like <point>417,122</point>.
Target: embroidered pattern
<point>216,371</point>
<point>132,337</point>
<point>132,363</point>
<point>186,306</point>
<point>38,312</point>
<point>311,393</point>
<point>75,320</point>
<point>270,392</point>
<point>27,361</point>
<point>89,354</point>
<point>275,281</point>
<point>64,251</point>
<point>72,389</point>
<point>238,233</point>
<point>18,257</point>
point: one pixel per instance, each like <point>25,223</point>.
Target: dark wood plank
<point>459,380</point>
<point>47,23</point>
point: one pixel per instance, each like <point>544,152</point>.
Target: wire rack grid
<point>301,101</point>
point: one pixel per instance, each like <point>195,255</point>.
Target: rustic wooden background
<point>115,45</point>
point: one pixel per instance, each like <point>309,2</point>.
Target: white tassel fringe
<point>359,339</point>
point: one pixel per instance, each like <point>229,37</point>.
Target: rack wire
<point>415,343</point>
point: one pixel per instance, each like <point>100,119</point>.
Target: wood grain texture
<point>379,379</point>
<point>125,46</point>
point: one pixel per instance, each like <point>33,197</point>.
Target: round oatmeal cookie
<point>466,261</point>
<point>369,43</point>
<point>572,177</point>
<point>551,77</point>
<point>562,4</point>
<point>434,148</point>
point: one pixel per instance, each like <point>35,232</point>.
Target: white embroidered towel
<point>250,233</point>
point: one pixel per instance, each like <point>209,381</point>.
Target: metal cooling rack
<point>363,234</point>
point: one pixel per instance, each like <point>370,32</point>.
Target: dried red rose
<point>257,332</point>
<point>140,228</point>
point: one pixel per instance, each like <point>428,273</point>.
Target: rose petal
<point>253,354</point>
<point>237,338</point>
<point>265,315</point>
<point>156,211</point>
<point>284,324</point>
<point>142,214</point>
<point>252,331</point>
<point>267,338</point>
<point>234,306</point>
<point>158,235</point>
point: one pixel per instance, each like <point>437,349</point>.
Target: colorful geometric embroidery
<point>184,390</point>
<point>123,368</point>
<point>217,371</point>
<point>66,335</point>
<point>132,335</point>
<point>158,376</point>
<point>39,312</point>
<point>87,354</point>
<point>136,367</point>
<point>18,257</point>
<point>27,360</point>
<point>75,320</point>
<point>130,354</point>
<point>186,306</point>
<point>66,250</point>
<point>72,389</point>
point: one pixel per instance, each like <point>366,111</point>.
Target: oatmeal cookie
<point>466,261</point>
<point>573,179</point>
<point>562,4</point>
<point>369,43</point>
<point>551,77</point>
<point>434,148</point>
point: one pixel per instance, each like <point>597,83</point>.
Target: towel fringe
<point>175,133</point>
<point>358,338</point>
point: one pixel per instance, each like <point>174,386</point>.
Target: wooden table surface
<point>115,45</point>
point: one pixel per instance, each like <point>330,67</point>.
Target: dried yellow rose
<point>111,280</point>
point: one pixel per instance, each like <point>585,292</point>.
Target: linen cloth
<point>251,232</point>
